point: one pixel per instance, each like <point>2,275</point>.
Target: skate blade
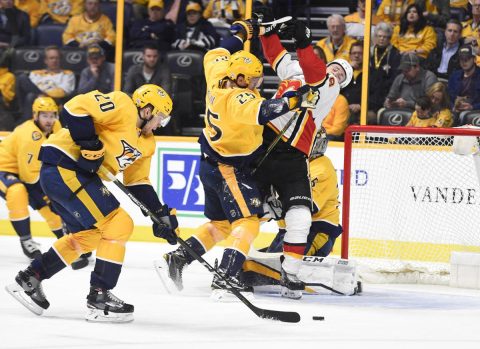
<point>19,294</point>
<point>161,267</point>
<point>97,315</point>
<point>223,296</point>
<point>287,293</point>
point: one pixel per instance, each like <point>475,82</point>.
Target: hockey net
<point>409,201</point>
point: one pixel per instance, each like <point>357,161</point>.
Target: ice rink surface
<point>384,316</point>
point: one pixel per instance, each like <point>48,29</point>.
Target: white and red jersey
<point>308,69</point>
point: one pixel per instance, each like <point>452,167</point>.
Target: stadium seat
<point>109,9</point>
<point>187,87</point>
<point>458,13</point>
<point>395,117</point>
<point>49,34</point>
<point>130,58</point>
<point>469,117</point>
<point>27,59</point>
<point>74,59</point>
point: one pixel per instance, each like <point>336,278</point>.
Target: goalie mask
<point>246,64</point>
<point>156,97</point>
<point>319,144</point>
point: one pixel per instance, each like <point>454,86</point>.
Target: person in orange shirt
<point>337,120</point>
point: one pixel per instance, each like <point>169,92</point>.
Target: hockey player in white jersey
<point>289,158</point>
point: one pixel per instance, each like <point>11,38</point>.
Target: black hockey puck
<point>319,318</point>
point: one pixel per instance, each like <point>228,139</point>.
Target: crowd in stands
<point>424,55</point>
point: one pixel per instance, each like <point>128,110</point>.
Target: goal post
<point>410,200</point>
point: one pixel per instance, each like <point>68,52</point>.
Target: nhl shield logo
<point>128,157</point>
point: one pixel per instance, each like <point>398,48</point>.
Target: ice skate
<point>292,286</point>
<point>81,262</point>
<point>104,306</point>
<point>28,291</point>
<point>30,248</point>
<point>170,269</point>
<point>220,289</point>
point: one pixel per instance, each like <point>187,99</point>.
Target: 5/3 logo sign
<point>179,182</point>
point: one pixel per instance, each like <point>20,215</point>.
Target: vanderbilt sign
<point>444,195</point>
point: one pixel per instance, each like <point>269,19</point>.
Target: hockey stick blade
<point>278,21</point>
<point>284,316</point>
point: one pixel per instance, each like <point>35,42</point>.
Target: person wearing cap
<point>464,84</point>
<point>53,81</point>
<point>410,84</point>
<point>90,27</point>
<point>196,33</point>
<point>153,30</point>
<point>99,75</point>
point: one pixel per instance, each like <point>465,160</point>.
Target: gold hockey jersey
<point>114,117</point>
<point>232,128</point>
<point>87,32</point>
<point>19,151</point>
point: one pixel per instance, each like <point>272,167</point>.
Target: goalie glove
<point>249,28</point>
<point>91,155</point>
<point>169,230</point>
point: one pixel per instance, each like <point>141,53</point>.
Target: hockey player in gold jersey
<point>231,140</point>
<point>20,173</point>
<point>113,131</point>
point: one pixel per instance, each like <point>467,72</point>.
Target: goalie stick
<point>284,316</point>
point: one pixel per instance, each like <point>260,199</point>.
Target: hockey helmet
<point>319,144</point>
<point>44,104</point>
<point>347,68</point>
<point>246,64</point>
<point>156,97</point>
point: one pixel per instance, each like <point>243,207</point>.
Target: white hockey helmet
<point>347,68</point>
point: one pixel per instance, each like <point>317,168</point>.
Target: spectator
<point>154,30</point>
<point>413,34</point>
<point>476,50</point>
<point>337,120</point>
<point>436,12</point>
<point>412,83</point>
<point>196,33</point>
<point>464,84</point>
<point>52,81</point>
<point>7,94</point>
<point>99,75</point>
<point>90,27</point>
<point>353,91</point>
<point>443,59</point>
<point>14,27</point>
<point>384,63</point>
<point>337,44</point>
<point>60,11</point>
<point>390,11</point>
<point>441,104</point>
<point>472,26</point>
<point>423,115</point>
<point>151,71</point>
<point>224,13</point>
<point>32,7</point>
<point>355,22</point>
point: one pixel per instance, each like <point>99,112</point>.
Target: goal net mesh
<point>412,202</point>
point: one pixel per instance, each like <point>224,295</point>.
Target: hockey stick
<point>278,21</point>
<point>277,139</point>
<point>284,316</point>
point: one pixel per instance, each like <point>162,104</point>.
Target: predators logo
<point>128,157</point>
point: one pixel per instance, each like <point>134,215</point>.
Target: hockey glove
<point>168,230</point>
<point>295,99</point>
<point>264,14</point>
<point>248,28</point>
<point>297,31</point>
<point>91,155</point>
